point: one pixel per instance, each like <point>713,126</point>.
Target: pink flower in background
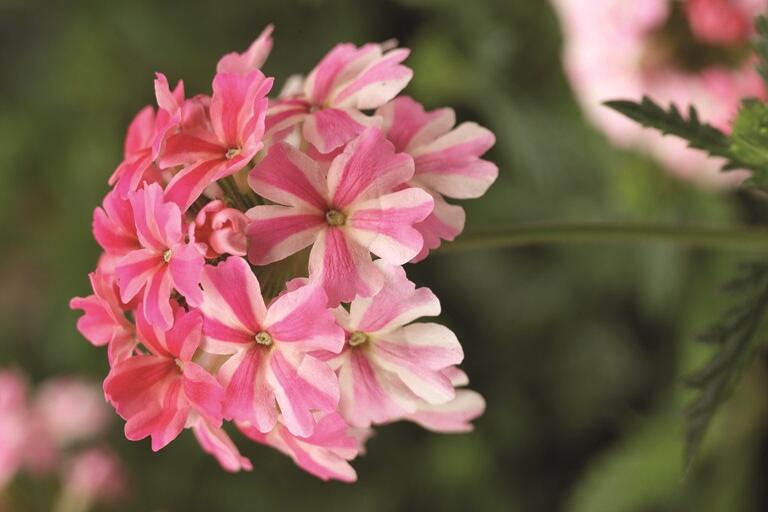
<point>71,410</point>
<point>271,366</point>
<point>13,422</point>
<point>354,210</point>
<point>447,162</point>
<point>49,431</point>
<point>326,453</point>
<point>93,476</point>
<point>617,49</point>
<point>156,392</point>
<point>219,138</point>
<point>309,190</point>
<point>347,80</point>
<point>389,365</point>
<point>165,261</point>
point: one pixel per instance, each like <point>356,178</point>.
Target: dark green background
<point>579,351</point>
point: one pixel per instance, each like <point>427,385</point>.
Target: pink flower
<point>214,441</point>
<point>348,79</point>
<point>220,229</point>
<point>138,165</point>
<point>157,391</point>
<point>250,60</point>
<point>95,475</point>
<point>719,22</point>
<point>270,366</point>
<point>387,367</point>
<point>454,416</point>
<point>13,422</point>
<point>71,410</point>
<point>114,227</point>
<point>447,162</point>
<point>324,454</point>
<point>354,210</point>
<point>165,260</point>
<point>615,49</point>
<point>216,140</point>
<point>104,321</point>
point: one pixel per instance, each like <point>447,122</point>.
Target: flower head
<point>237,281</point>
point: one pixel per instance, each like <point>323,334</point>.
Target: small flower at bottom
<point>326,453</point>
<point>270,365</point>
<point>387,368</point>
<point>158,391</point>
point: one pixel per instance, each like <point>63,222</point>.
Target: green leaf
<point>738,335</point>
<point>671,121</point>
<point>760,45</point>
<point>749,140</point>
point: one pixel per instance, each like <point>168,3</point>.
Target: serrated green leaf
<point>671,121</point>
<point>739,337</point>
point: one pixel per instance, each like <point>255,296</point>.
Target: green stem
<point>721,237</point>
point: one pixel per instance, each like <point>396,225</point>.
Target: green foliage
<point>749,140</point>
<point>671,121</point>
<point>738,335</point>
<point>761,46</point>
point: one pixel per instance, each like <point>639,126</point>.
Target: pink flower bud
<point>221,229</point>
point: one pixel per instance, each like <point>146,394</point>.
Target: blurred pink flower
<point>93,476</point>
<point>71,409</point>
<point>13,423</point>
<point>618,49</point>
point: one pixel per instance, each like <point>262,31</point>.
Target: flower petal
<point>385,224</point>
<point>368,168</point>
<point>343,267</point>
<point>276,232</point>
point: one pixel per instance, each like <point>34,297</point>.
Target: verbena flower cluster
<point>676,51</point>
<point>55,433</point>
<point>253,250</point>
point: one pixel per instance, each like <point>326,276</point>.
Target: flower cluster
<point>253,251</point>
<point>683,52</point>
<point>53,432</point>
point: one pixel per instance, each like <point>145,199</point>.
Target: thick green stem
<point>721,237</point>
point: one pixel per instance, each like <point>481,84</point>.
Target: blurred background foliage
<point>580,351</point>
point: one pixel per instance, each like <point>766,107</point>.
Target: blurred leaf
<point>738,334</point>
<point>640,473</point>
<point>761,46</point>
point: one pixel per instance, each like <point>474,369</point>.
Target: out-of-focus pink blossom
<point>71,409</point>
<point>615,49</point>
<point>13,423</point>
<point>94,476</point>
